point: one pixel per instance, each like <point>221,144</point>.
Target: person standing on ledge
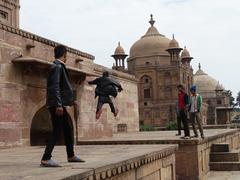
<point>59,95</point>
<point>183,101</point>
<point>106,87</point>
<point>195,111</point>
<point>179,124</point>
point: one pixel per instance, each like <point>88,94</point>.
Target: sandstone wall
<point>23,90</point>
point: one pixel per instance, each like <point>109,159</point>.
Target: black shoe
<point>49,163</point>
<point>75,159</point>
<point>178,134</point>
<point>195,136</point>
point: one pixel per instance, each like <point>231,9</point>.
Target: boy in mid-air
<point>106,87</point>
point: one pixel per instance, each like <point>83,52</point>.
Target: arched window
<point>146,87</point>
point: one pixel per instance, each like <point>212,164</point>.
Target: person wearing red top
<point>183,101</point>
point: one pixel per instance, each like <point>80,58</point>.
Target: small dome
<point>152,43</point>
<point>119,50</point>
<point>185,53</point>
<point>173,43</point>
<point>204,82</point>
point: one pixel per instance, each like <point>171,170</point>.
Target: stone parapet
<point>156,162</point>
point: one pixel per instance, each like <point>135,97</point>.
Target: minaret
<point>9,12</point>
<point>185,57</point>
<point>174,51</point>
<point>119,56</point>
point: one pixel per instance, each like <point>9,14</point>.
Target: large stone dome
<point>204,82</point>
<point>152,43</point>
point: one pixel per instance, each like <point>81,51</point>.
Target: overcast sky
<point>209,28</point>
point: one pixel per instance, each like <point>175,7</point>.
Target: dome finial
<point>199,66</point>
<point>151,20</point>
<point>173,36</point>
<point>119,43</point>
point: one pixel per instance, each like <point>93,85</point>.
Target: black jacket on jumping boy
<point>106,87</point>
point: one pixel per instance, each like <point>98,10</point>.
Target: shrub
<point>146,128</point>
<point>171,125</point>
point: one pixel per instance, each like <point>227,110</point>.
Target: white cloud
<point>209,28</point>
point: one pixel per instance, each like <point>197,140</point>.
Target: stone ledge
<point>40,39</point>
<point>149,140</point>
<point>30,60</point>
<point>118,168</point>
<point>102,162</point>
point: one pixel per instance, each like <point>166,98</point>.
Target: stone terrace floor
<point>155,137</point>
<point>23,162</point>
<point>224,175</point>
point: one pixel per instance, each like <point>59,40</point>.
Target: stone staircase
<point>222,158</point>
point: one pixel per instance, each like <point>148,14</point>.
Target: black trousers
<point>105,99</point>
<point>183,117</point>
<point>59,123</point>
<point>179,124</point>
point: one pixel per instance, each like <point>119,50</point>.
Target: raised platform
<point>124,162</point>
<point>192,157</point>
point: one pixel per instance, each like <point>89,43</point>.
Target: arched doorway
<point>41,128</point>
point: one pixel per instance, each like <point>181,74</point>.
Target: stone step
<point>224,166</point>
<point>221,147</point>
<point>224,156</point>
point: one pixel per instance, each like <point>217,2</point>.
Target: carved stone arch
<point>41,125</point>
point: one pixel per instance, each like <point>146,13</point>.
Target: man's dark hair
<point>59,51</point>
<point>180,86</point>
<point>105,73</point>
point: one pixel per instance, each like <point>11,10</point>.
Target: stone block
<point>167,173</point>
<point>10,135</point>
<point>148,169</point>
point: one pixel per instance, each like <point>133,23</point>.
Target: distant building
<point>159,64</point>
<point>214,94</point>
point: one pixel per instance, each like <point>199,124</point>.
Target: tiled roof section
<point>43,40</point>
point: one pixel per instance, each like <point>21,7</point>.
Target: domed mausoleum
<point>158,64</point>
<point>215,96</point>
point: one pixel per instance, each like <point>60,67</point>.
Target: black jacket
<point>106,86</point>
<point>59,89</point>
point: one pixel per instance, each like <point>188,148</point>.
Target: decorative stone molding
<point>42,40</point>
<point>10,3</point>
<point>123,167</point>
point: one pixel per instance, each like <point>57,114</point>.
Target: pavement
<point>223,175</point>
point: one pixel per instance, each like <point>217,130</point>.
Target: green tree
<point>231,98</point>
<point>238,99</point>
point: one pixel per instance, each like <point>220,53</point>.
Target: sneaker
<point>49,163</point>
<point>202,137</point>
<point>195,136</point>
<point>98,113</point>
<point>186,137</point>
<point>75,159</point>
<point>116,113</point>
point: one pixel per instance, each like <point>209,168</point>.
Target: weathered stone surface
<point>23,88</point>
<point>102,162</point>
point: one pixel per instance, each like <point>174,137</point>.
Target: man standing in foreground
<point>183,101</point>
<point>195,111</point>
<point>59,95</point>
